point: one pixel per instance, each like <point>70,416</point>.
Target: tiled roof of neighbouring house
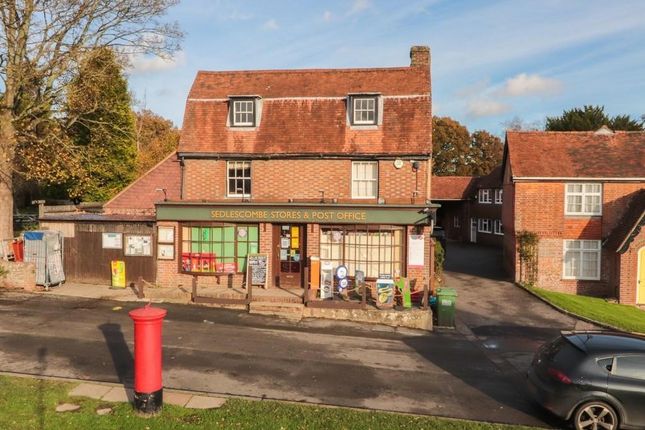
<point>630,224</point>
<point>142,193</point>
<point>452,187</point>
<point>304,112</point>
<point>603,154</point>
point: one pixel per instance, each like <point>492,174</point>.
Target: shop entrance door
<point>289,256</point>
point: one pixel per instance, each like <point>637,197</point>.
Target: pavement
<point>474,372</point>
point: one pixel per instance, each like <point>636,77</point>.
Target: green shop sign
<point>293,214</point>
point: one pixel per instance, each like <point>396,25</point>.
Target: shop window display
<point>375,250</point>
<point>217,248</point>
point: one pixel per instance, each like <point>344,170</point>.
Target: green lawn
<point>623,317</point>
<point>27,403</point>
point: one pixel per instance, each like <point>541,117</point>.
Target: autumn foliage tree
<point>456,152</point>
<point>157,138</point>
<point>42,44</point>
<point>101,126</point>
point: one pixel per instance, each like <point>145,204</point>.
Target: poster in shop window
<point>416,247</point>
<point>140,246</point>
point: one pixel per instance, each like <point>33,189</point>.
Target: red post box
<point>148,388</point>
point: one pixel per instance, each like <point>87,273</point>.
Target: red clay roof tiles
<point>142,193</point>
<point>452,187</point>
<point>539,154</point>
<point>303,112</point>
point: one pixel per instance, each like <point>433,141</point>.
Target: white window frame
<point>567,248</point>
<point>584,194</point>
<point>484,225</point>
<point>237,166</point>
<point>498,196</point>
<point>456,223</point>
<point>484,196</point>
<point>497,227</point>
<point>359,100</point>
<point>240,106</point>
<point>356,179</point>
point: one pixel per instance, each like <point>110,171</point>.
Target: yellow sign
<point>291,215</point>
<point>118,274</point>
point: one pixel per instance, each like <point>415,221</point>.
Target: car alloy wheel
<point>596,416</point>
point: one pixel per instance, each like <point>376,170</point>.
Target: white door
<point>473,230</point>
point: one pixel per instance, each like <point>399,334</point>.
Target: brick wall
<point>628,270</point>
<point>539,207</point>
<point>18,275</point>
<point>280,180</point>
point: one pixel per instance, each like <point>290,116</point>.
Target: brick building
<point>329,163</point>
<point>471,207</point>
<point>582,194</point>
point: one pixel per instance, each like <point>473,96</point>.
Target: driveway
<point>508,323</point>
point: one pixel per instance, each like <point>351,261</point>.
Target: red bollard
<point>148,388</point>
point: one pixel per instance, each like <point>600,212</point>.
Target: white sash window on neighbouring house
<point>583,199</point>
<point>581,259</point>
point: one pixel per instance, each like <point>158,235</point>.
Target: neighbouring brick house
<point>331,163</point>
<point>582,194</point>
<point>471,207</point>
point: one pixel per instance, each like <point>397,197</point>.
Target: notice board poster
<point>416,248</point>
<point>138,245</point>
<point>257,269</point>
<point>112,241</point>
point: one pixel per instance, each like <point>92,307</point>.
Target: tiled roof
<point>142,193</point>
<point>630,224</point>
<point>452,187</point>
<point>492,180</point>
<point>540,154</point>
<point>94,217</point>
<point>304,112</point>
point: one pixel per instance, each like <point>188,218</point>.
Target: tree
<point>450,147</point>
<point>156,138</point>
<point>518,124</point>
<point>102,125</point>
<point>591,118</point>
<point>485,153</point>
<point>41,44</point>
<point>458,153</point>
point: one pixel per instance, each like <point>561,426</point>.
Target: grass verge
<point>27,403</point>
<point>622,317</point>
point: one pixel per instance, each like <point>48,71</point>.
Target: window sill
<point>582,279</point>
<point>242,128</point>
<point>364,126</point>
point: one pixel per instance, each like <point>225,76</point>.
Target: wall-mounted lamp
<point>165,194</point>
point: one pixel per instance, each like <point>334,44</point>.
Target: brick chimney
<point>420,56</point>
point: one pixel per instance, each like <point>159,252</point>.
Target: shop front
<point>214,241</point>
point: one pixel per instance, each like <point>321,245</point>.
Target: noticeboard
<point>257,269</point>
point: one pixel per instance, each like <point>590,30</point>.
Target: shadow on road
<point>503,386</point>
<point>476,260</point>
<point>121,356</point>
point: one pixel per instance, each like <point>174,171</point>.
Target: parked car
<point>594,379</point>
<point>440,235</point>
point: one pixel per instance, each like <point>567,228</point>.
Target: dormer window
<point>364,110</point>
<point>243,112</point>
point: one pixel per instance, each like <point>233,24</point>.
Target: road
<point>445,373</point>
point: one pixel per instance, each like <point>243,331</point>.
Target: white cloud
<point>271,24</point>
<point>484,107</point>
<point>359,6</point>
<point>526,85</point>
<point>142,64</point>
<point>327,16</point>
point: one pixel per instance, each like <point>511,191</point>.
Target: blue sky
<point>491,60</point>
